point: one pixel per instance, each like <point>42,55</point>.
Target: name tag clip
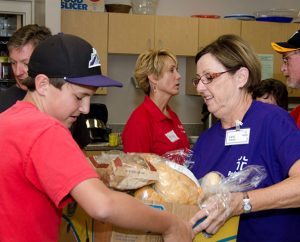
<point>238,125</point>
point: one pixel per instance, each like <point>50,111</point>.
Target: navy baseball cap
<point>292,44</point>
<point>69,57</point>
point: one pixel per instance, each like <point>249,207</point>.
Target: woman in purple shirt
<point>248,133</point>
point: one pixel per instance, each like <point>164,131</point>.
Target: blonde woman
<point>153,126</point>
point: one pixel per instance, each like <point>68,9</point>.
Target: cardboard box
<point>83,5</point>
<point>80,226</point>
<point>108,233</point>
<point>227,233</point>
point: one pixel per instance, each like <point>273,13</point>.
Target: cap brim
<point>282,47</point>
<point>95,81</point>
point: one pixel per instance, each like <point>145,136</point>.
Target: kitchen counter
<point>103,146</point>
<point>97,148</point>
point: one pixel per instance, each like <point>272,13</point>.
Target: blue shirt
<point>275,144</point>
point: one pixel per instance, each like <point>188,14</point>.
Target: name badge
<point>172,136</point>
<point>237,137</point>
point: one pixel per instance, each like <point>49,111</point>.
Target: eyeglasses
<point>208,77</point>
<point>285,59</point>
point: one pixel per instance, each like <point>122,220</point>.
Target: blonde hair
<point>151,62</point>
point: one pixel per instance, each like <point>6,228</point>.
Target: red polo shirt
<point>296,115</point>
<point>149,130</point>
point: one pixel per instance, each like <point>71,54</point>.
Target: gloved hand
<point>223,197</point>
<point>214,211</point>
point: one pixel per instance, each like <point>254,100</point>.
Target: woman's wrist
<point>237,203</point>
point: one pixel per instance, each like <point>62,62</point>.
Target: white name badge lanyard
<point>237,136</point>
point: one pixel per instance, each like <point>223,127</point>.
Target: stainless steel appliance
<point>96,121</point>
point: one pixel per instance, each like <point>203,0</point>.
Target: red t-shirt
<point>296,115</point>
<point>40,164</point>
<point>149,130</point>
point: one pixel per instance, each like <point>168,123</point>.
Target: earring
<point>154,88</point>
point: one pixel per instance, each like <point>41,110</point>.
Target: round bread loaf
<point>174,186</point>
<point>149,194</point>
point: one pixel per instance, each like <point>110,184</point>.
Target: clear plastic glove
<point>222,197</point>
<point>214,212</point>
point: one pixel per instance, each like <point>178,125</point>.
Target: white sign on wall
<point>266,61</point>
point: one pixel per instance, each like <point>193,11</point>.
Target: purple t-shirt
<point>275,144</point>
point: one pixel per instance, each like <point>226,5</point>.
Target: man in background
<point>290,67</point>
<point>20,47</point>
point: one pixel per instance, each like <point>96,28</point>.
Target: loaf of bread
<point>211,182</point>
<point>147,193</point>
<point>174,186</point>
<point>176,183</point>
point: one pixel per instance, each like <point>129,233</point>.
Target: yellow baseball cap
<point>292,44</point>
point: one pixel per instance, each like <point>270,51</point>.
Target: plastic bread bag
<point>214,183</point>
<point>147,193</point>
<point>181,157</point>
<point>175,184</point>
<point>247,179</point>
<point>124,171</point>
<point>217,189</point>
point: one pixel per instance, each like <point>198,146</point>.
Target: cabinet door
<point>91,26</point>
<point>261,34</point>
<point>177,34</point>
<point>130,33</point>
<point>211,29</point>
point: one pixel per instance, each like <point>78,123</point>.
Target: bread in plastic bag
<point>124,171</point>
<point>247,179</point>
<point>147,193</point>
<point>175,183</point>
<point>217,189</point>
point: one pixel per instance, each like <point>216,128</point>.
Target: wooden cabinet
<point>133,34</point>
<point>184,36</point>
<point>258,34</point>
<point>211,29</point>
<point>178,34</point>
<point>130,33</point>
<point>91,26</point>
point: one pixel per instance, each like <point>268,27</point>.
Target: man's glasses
<point>285,58</point>
<point>207,78</point>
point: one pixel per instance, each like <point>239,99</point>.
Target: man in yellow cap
<point>290,67</point>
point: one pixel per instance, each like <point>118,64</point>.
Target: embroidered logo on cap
<point>94,61</point>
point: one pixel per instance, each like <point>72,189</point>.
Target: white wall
<point>121,102</point>
<point>221,7</point>
<point>47,13</point>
